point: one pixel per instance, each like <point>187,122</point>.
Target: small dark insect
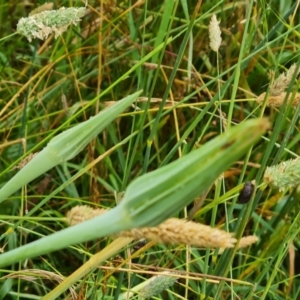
<point>246,192</point>
<point>141,243</point>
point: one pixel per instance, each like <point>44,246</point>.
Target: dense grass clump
<point>128,130</point>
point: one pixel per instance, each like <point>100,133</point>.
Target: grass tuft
<point>166,165</point>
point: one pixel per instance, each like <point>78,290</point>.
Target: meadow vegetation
<point>164,135</point>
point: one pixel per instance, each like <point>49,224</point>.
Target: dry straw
<point>172,231</point>
<point>214,33</point>
<point>277,94</point>
<point>41,25</point>
<point>284,175</point>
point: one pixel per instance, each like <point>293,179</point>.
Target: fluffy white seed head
<point>41,25</point>
<point>214,34</point>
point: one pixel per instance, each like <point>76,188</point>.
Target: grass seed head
<point>247,241</point>
<point>177,231</point>
<point>284,175</point>
<point>214,34</point>
<point>172,231</point>
<point>277,94</point>
<point>283,81</point>
<point>41,25</point>
<point>82,213</point>
<point>277,101</point>
<point>156,285</point>
<point>244,242</point>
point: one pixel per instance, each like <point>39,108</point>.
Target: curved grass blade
<point>65,146</point>
<point>154,197</point>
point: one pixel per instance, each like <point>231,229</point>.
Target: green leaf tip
<point>65,146</point>
<point>160,194</point>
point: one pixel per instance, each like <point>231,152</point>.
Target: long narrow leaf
<point>65,146</point>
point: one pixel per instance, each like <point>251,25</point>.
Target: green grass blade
<point>107,224</point>
<point>170,188</point>
<point>65,146</point>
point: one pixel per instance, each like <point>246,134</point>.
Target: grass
<point>191,94</point>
